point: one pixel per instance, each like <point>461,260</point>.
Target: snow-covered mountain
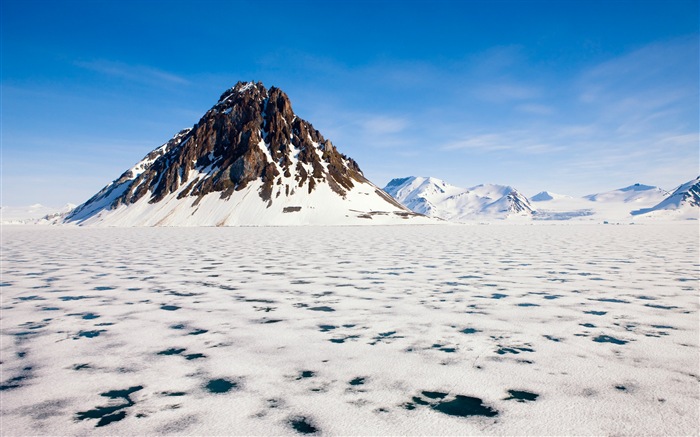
<point>248,161</point>
<point>683,203</point>
<point>436,198</point>
<point>33,214</point>
<point>624,204</point>
<point>544,196</point>
<point>636,193</point>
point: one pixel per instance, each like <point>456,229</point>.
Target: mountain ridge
<point>437,198</point>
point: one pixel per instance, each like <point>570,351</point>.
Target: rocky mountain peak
<point>251,135</point>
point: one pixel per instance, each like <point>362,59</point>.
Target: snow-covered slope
<point>33,214</point>
<point>683,203</point>
<point>636,193</point>
<point>624,204</point>
<point>436,198</point>
<point>249,161</point>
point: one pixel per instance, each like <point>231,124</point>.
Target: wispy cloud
<point>519,142</point>
<point>382,125</point>
<point>506,92</point>
<point>134,73</point>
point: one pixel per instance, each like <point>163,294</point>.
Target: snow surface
<point>350,330</point>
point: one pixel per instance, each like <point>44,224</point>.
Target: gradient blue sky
<point>571,96</point>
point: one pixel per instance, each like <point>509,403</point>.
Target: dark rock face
<point>251,134</point>
<point>692,196</point>
<point>519,203</point>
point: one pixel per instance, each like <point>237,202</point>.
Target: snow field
<point>549,329</point>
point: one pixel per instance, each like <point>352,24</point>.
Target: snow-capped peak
<point>544,196</point>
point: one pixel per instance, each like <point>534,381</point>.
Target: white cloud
<point>506,92</point>
<point>135,73</point>
<point>381,125</point>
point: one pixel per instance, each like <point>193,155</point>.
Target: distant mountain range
<point>251,161</point>
<point>636,201</point>
<point>436,198</point>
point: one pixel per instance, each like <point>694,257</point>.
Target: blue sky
<point>573,97</point>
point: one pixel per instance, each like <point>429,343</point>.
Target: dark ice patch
<point>15,382</point>
<point>608,339</point>
<point>521,396</point>
<point>661,307</point>
<point>442,348</point>
<point>172,351</point>
<point>434,394</point>
<point>303,425</point>
<point>357,381</point>
<point>389,335</point>
<point>464,406</point>
<point>417,400</point>
<point>460,405</point>
<point>90,334</point>
<point>344,339</point>
<point>111,413</point>
<point>169,307</point>
<point>612,300</point>
<point>469,331</point>
<point>326,309</point>
<point>596,313</point>
<point>306,374</point>
<point>220,385</point>
<point>190,357</point>
<point>513,350</point>
<point>26,298</point>
<point>326,328</point>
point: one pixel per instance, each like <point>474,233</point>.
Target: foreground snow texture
<point>375,331</point>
